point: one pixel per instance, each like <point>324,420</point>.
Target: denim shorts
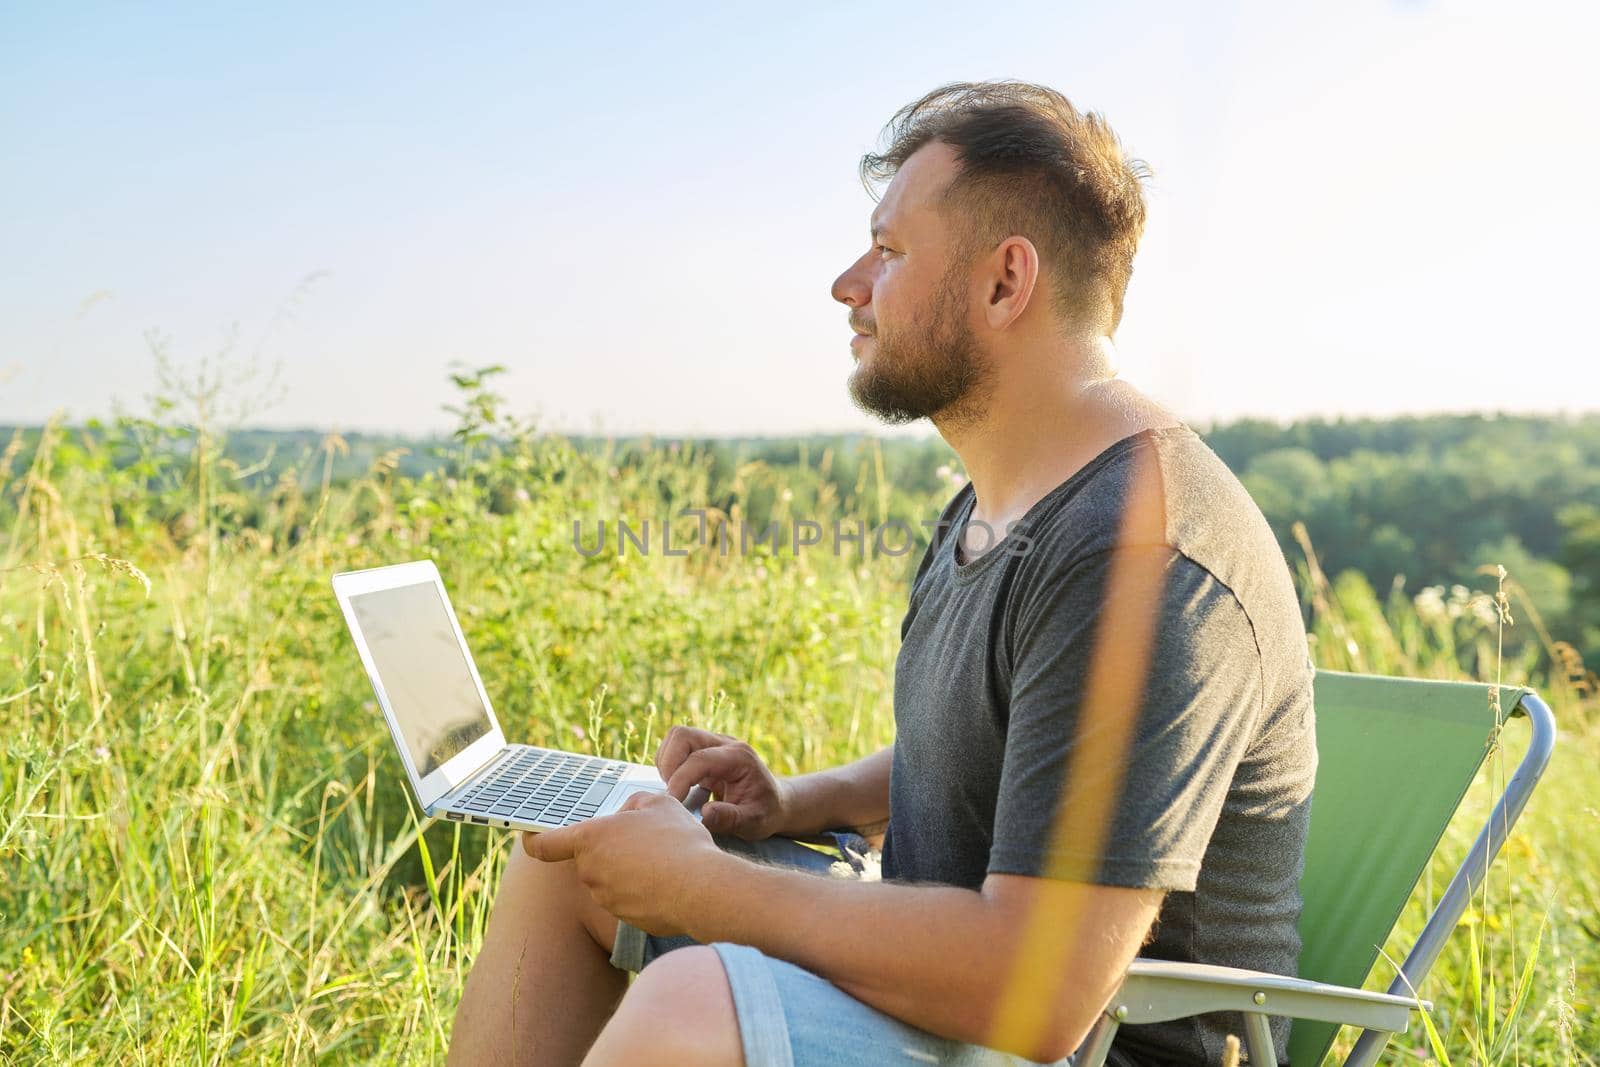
<point>789,1017</point>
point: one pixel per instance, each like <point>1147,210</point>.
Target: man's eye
<point>882,249</point>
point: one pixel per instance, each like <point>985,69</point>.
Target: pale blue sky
<point>1358,207</point>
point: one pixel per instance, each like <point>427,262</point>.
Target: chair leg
<point>1095,1047</point>
<point>1258,1041</point>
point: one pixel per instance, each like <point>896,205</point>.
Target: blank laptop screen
<point>424,672</point>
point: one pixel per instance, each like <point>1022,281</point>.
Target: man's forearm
<point>855,796</point>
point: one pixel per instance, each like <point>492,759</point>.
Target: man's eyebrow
<point>878,229</point>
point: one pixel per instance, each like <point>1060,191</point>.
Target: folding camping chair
<point>1378,810</point>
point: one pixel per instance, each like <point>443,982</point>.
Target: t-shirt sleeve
<point>1146,767</point>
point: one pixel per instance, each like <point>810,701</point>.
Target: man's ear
<point>1013,276</point>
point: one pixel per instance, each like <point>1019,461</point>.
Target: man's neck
<point>1045,420</point>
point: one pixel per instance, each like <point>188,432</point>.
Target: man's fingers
<point>551,846</point>
<point>676,746</point>
<point>708,763</point>
<point>679,743</point>
<point>720,817</point>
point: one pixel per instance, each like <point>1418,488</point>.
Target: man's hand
<point>749,801</point>
<point>641,863</point>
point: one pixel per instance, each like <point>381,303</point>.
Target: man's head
<point>997,192</point>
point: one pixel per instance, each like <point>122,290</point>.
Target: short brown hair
<point>1033,165</point>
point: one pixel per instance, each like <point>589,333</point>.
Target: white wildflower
<point>1430,604</point>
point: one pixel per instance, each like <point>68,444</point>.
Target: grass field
<point>206,851</point>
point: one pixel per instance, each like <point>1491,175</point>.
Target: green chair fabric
<point>1395,758</point>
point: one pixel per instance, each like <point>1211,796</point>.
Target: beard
<point>932,368</point>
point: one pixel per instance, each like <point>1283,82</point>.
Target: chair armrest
<point>1157,990</point>
<point>873,835</point>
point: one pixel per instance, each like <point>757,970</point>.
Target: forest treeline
<point>1418,506</point>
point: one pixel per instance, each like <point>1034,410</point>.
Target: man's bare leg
<point>542,985</point>
<point>679,1011</point>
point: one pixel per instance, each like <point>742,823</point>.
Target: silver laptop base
<point>535,788</point>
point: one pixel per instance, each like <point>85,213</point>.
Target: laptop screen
<point>424,672</point>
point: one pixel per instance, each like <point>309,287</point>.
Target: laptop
<point>440,718</point>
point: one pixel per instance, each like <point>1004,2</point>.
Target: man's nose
<point>853,288</point>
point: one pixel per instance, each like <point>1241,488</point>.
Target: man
<point>1103,714</point>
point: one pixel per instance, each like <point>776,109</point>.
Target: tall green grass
<point>207,853</point>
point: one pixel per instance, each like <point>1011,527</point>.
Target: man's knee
<point>679,1010</point>
<point>539,890</point>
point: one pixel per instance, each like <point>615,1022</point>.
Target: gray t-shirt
<point>1016,665</point>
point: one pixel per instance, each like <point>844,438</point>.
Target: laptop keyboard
<point>541,787</point>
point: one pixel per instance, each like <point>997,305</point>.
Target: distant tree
<point>1580,554</point>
